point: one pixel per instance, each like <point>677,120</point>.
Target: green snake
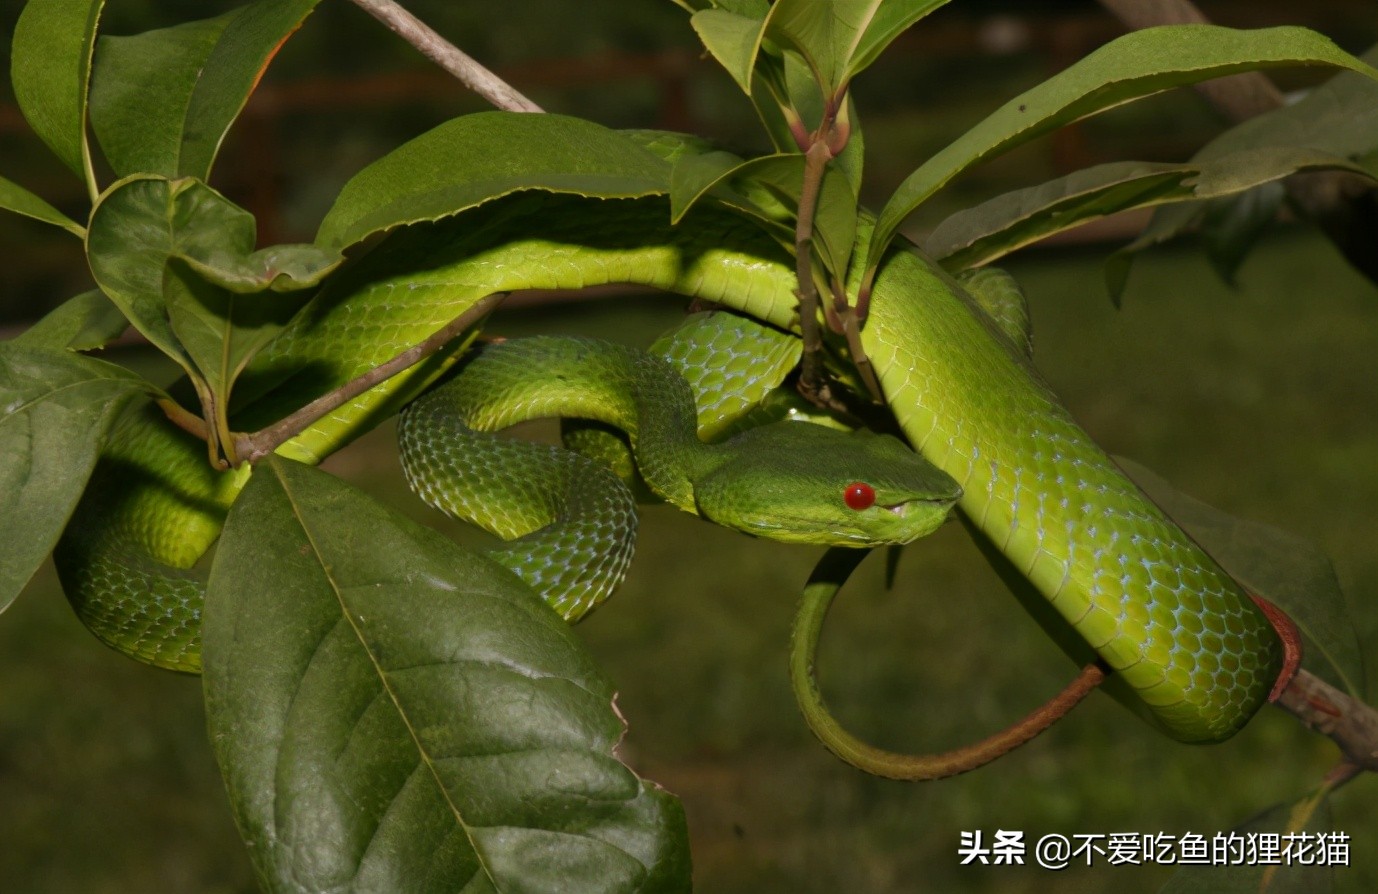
<point>1175,629</point>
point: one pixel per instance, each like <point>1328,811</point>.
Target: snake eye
<point>859,496</point>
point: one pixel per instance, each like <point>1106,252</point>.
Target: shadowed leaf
<point>1005,223</point>
<point>56,409</point>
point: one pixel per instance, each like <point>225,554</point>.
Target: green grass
<point>1258,400</point>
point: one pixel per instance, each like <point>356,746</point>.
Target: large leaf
<point>178,259</point>
<point>1005,223</point>
<point>50,68</point>
<point>16,198</point>
<point>1138,64</point>
<point>1284,569</point>
<point>474,159</point>
<point>162,101</point>
<point>56,409</point>
<point>392,713</point>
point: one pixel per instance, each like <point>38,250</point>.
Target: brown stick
<point>253,447</point>
<point>1352,724</point>
<point>449,57</point>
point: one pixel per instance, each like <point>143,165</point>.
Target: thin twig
<point>253,447</point>
<point>835,567</point>
<point>811,377</point>
<point>1352,724</point>
<point>449,57</point>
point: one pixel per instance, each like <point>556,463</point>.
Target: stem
<point>811,376</point>
<point>835,567</point>
<point>253,447</point>
<point>1352,724</point>
<point>183,418</point>
<point>449,57</point>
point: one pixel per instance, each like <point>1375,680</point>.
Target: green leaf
<point>16,198</point>
<point>1231,226</point>
<point>50,68</point>
<point>1339,117</point>
<point>1284,569</point>
<point>392,713</point>
<point>732,39</point>
<point>471,160</point>
<point>162,101</point>
<point>889,21</point>
<point>1005,223</point>
<point>56,409</point>
<point>1308,817</point>
<point>980,234</point>
<point>768,188</point>
<point>1138,64</point>
<point>87,321</point>
<point>178,259</point>
<point>841,38</point>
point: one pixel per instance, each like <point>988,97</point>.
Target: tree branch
<point>253,447</point>
<point>1352,724</point>
<point>449,57</point>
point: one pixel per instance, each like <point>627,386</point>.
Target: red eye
<point>859,496</point>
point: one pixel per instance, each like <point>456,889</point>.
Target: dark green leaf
<point>1138,64</point>
<point>162,101</point>
<point>179,260</point>
<point>87,321</point>
<point>980,234</point>
<point>474,159</point>
<point>1232,226</point>
<point>1280,567</point>
<point>56,409</point>
<point>1310,871</point>
<point>392,713</point>
<point>16,198</point>
<point>1339,117</point>
<point>50,67</point>
<point>1001,225</point>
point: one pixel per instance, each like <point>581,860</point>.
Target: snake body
<point>1159,612</point>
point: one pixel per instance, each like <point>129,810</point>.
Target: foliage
<point>478,736</point>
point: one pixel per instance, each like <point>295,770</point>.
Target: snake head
<point>805,483</point>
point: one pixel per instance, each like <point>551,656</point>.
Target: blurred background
<point>1257,398</point>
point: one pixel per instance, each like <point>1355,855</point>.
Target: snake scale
<point>1184,637</point>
